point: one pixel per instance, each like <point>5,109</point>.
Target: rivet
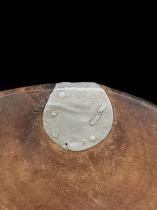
<point>61,94</point>
<point>83,141</point>
<point>54,134</point>
<point>92,137</point>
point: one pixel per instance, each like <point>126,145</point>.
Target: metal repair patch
<point>78,116</point>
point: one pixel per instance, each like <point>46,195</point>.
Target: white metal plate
<point>78,116</point>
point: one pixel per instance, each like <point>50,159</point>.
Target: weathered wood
<point>120,173</point>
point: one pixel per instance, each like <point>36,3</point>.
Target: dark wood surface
<point>120,173</point>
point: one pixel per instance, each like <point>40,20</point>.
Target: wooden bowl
<point>120,173</point>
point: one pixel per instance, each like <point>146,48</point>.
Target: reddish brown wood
<point>120,173</point>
